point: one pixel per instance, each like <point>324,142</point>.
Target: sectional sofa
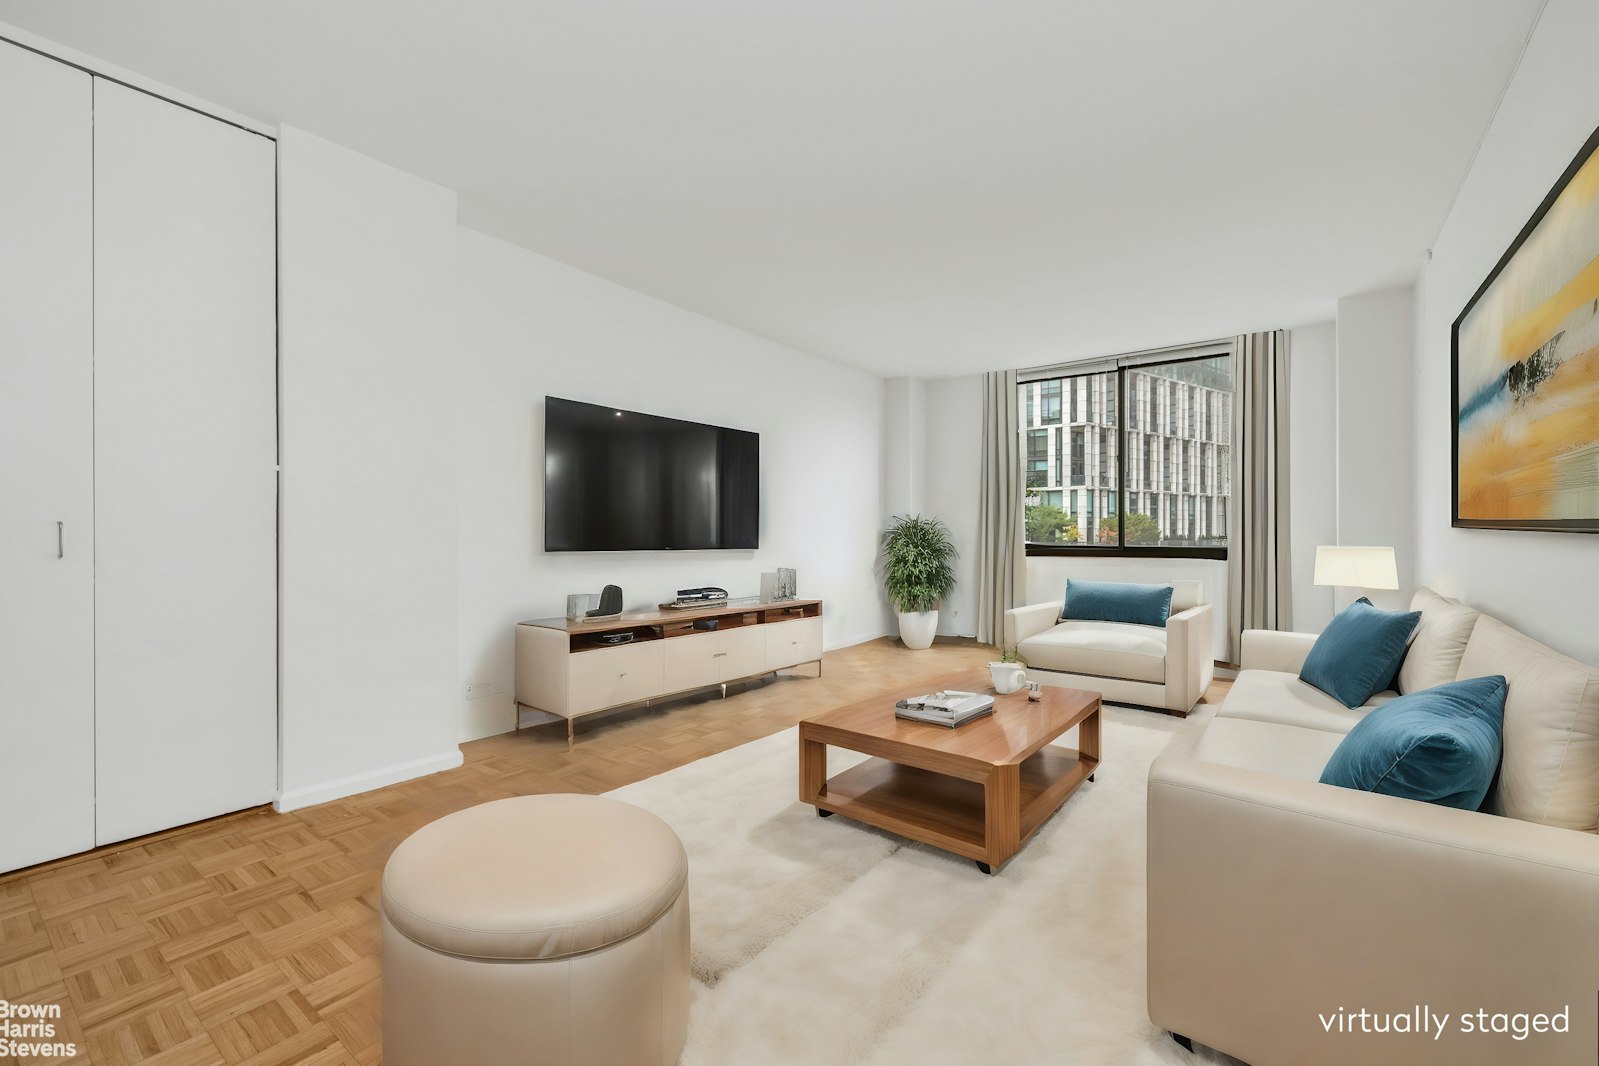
<point>1278,906</point>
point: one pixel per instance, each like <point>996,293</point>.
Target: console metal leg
<point>569,734</point>
<point>724,690</point>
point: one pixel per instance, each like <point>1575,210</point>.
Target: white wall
<point>531,327</point>
<point>367,544</point>
<point>1376,474</point>
<point>952,443</point>
<point>1543,583</point>
<point>904,454</point>
<point>1313,465</point>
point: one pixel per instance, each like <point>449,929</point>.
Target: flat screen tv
<point>624,481</point>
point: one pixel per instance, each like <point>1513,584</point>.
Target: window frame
<point>1121,549</point>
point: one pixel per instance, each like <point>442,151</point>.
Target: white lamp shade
<point>1351,567</point>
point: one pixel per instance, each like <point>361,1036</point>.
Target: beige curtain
<point>1001,551</point>
<point>1259,561</point>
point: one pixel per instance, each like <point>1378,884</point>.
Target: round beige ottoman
<point>541,929</point>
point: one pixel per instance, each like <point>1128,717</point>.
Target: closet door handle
<point>61,549</point>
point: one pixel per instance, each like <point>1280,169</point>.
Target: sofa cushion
<point>1440,641</point>
<point>1116,601</point>
<point>1550,769</point>
<point>1268,747</point>
<point>1358,653</point>
<point>1271,696</point>
<point>1439,745</point>
<point>1103,649</point>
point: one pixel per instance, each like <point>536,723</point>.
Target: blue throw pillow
<point>1359,652</point>
<point>1440,745</point>
<point>1115,601</point>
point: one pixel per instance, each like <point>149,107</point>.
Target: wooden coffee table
<point>980,790</point>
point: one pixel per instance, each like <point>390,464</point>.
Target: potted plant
<point>917,574</point>
<point>1008,674</point>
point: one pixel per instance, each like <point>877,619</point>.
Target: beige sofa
<point>1276,901</point>
<point>1168,668</point>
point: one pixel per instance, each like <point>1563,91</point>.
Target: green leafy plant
<point>1048,524</point>
<point>916,556</point>
<point>1008,655</point>
<point>1141,529</point>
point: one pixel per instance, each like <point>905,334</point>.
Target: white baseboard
<point>350,786</point>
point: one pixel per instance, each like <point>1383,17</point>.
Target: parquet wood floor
<point>252,940</point>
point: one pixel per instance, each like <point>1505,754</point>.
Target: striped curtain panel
<point>1259,559</point>
<point>1001,548</point>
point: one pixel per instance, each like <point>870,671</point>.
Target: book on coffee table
<point>946,708</point>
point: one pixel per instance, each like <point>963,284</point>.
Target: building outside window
<point>1177,449</point>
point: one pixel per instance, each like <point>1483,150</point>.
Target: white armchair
<point>1166,668</point>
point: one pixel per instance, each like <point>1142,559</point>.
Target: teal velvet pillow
<point>1440,745</point>
<point>1359,652</point>
<point>1114,601</point>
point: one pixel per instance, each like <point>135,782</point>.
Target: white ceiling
<point>911,186</point>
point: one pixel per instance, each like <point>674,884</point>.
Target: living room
<point>609,534</point>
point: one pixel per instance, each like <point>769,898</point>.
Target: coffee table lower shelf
<point>952,813</point>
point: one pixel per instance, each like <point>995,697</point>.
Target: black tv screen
<point>623,481</point>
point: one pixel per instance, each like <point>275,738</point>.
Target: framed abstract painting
<point>1526,371</point>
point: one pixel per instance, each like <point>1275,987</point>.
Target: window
<point>1173,453</point>
<point>1049,403</point>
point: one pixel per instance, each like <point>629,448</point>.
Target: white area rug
<point>825,941</point>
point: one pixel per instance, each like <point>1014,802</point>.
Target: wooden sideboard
<point>563,670</point>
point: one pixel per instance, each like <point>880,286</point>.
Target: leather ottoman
<point>541,929</point>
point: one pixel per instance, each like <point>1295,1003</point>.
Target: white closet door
<point>185,487</point>
<point>46,461</point>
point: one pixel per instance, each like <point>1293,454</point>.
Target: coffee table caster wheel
<point>1090,777</point>
<point>824,814</point>
<point>983,866</point>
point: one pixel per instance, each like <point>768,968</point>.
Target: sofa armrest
<point>1266,649</point>
<point>1024,622</point>
<point>1273,901</point>
<point>1190,657</point>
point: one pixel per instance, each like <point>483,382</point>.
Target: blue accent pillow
<point>1440,745</point>
<point>1359,652</point>
<point>1115,601</point>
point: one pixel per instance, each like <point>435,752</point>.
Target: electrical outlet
<point>478,690</point>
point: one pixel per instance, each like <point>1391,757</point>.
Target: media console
<point>563,670</point>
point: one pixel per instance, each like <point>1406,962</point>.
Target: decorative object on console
<point>917,574</point>
<point>578,604</point>
<point>1347,566</point>
<point>1440,745</point>
<point>1116,601</point>
<point>689,599</point>
<point>779,586</point>
<point>1359,653</point>
<point>610,605</point>
<point>1525,372</point>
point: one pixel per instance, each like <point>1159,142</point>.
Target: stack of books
<point>948,708</point>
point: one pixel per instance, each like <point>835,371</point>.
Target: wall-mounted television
<point>617,480</point>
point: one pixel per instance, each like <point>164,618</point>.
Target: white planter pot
<point>916,628</point>
<point>1007,677</point>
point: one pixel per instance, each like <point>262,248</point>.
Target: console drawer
<point>692,661</point>
<point>607,677</point>
<point>796,641</point>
